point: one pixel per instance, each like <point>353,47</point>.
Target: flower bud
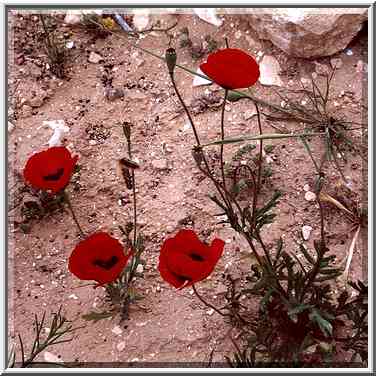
<point>171,59</point>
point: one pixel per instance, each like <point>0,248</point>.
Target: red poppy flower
<point>231,68</point>
<point>185,260</point>
<point>99,257</point>
<point>50,169</point>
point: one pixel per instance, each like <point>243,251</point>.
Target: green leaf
<point>298,309</point>
<point>325,326</point>
<point>96,316</point>
<point>265,136</point>
<point>265,299</point>
<point>309,258</point>
<point>234,96</point>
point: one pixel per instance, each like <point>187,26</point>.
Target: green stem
<point>129,145</point>
<point>68,201</point>
<point>208,172</point>
<point>306,145</point>
<point>206,303</point>
<point>222,138</point>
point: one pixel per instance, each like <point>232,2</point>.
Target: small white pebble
<point>73,296</point>
<point>49,357</point>
<point>117,330</point>
<point>306,232</point>
<point>120,346</point>
<point>310,196</point>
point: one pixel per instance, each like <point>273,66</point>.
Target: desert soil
<point>166,326</point>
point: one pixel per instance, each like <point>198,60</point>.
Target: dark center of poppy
<point>54,177</point>
<point>181,278</point>
<point>106,264</point>
<point>196,257</point>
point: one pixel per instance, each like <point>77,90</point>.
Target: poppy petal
<point>231,68</point>
<point>50,169</point>
<point>99,257</point>
<point>185,260</point>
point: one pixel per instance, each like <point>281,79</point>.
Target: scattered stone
<point>238,34</point>
<point>113,94</point>
<point>321,69</point>
<point>36,102</point>
<point>35,71</point>
<point>117,330</point>
<point>59,128</point>
<point>220,290</point>
<point>49,357</point>
<point>348,52</point>
<point>269,70</point>
<point>120,346</point>
<point>210,312</point>
<point>26,111</point>
<point>140,268</point>
<point>361,67</point>
<point>336,63</point>
<point>160,164</point>
<point>10,112</point>
<point>306,187</point>
<point>72,18</point>
<point>306,232</point>
<point>268,159</point>
<point>20,59</point>
<point>69,45</point>
<point>308,32</point>
<point>199,81</point>
<point>141,19</point>
<point>10,127</point>
<point>95,58</point>
<point>92,142</point>
<point>310,196</point>
<point>136,60</point>
<point>249,114</point>
<point>208,15</point>
<point>73,296</point>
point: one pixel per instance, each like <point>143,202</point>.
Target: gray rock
<point>95,58</point>
<point>113,94</point>
<point>361,66</point>
<point>10,127</point>
<point>36,102</point>
<point>308,32</point>
<point>160,164</point>
<point>306,232</point>
<point>26,111</point>
<point>35,71</point>
<point>269,70</point>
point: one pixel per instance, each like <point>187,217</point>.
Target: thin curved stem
<point>222,138</point>
<point>211,177</point>
<point>206,303</point>
<point>258,185</point>
<point>134,195</point>
<point>68,201</point>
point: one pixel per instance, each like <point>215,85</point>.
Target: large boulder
<point>308,32</point>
